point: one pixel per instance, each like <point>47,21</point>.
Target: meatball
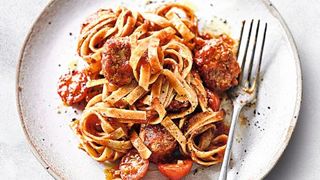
<point>217,63</point>
<point>115,61</point>
<point>178,106</point>
<point>161,143</point>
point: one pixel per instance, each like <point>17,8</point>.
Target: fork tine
<point>262,48</point>
<point>245,53</point>
<point>240,40</point>
<point>253,53</point>
<point>260,58</point>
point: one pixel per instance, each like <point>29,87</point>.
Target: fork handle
<point>225,164</point>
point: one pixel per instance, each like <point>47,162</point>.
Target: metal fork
<point>246,91</point>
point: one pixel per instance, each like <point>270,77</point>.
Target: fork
<point>246,91</point>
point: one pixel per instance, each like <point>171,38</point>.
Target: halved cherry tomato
<point>176,171</point>
<point>213,100</point>
<point>132,166</point>
<point>72,87</point>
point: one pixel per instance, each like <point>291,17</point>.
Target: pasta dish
<point>152,86</point>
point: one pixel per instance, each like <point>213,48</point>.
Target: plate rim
<point>273,10</point>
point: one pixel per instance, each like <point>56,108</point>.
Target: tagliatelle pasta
<point>150,90</point>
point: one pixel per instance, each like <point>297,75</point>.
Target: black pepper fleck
<point>59,65</point>
<point>237,173</point>
<point>59,112</point>
<point>73,119</point>
<point>149,2</point>
<point>47,167</point>
<point>269,107</point>
<point>245,150</point>
<point>195,171</point>
<point>211,4</point>
<point>258,113</point>
<point>19,88</point>
<point>49,22</point>
<point>70,33</point>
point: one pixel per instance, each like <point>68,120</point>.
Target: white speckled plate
<point>50,46</point>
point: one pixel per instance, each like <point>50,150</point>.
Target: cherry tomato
<point>132,166</point>
<point>176,171</point>
<point>213,100</point>
<point>72,87</point>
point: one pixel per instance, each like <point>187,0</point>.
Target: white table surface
<point>301,159</point>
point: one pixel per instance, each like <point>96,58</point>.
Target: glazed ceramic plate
<point>261,136</point>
